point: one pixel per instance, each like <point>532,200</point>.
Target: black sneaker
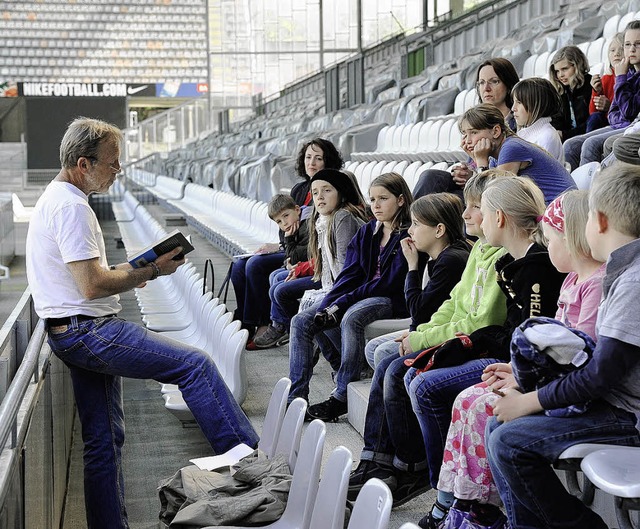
<point>410,485</point>
<point>367,470</point>
<point>328,411</point>
<point>431,522</point>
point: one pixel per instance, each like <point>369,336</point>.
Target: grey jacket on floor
<point>255,495</point>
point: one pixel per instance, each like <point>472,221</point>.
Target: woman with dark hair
<point>495,78</point>
<point>313,156</point>
<point>250,276</point>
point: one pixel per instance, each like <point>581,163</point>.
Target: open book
<point>158,248</point>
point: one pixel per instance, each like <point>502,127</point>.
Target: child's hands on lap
<point>404,347</point>
<point>292,273</point>
<point>499,376</point>
<point>515,404</point>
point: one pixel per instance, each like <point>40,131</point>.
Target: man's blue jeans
<point>250,278</point>
<point>432,394</point>
<point>98,352</point>
<point>285,295</point>
<point>342,346</point>
<point>522,451</point>
<point>391,432</point>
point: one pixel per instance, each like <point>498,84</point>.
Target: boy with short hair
<point>522,443</point>
<point>284,211</point>
<point>291,220</point>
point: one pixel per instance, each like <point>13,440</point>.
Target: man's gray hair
<point>83,138</point>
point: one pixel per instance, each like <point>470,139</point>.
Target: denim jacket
<point>358,280</point>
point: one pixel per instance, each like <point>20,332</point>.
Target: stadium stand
<point>37,43</point>
<point>399,130</point>
<point>404,120</point>
<point>221,182</point>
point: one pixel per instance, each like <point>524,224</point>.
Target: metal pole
<point>321,29</point>
<point>209,76</point>
<point>359,14</point>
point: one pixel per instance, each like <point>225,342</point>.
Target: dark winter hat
<point>341,182</point>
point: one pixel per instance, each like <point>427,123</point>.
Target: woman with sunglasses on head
<point>495,78</point>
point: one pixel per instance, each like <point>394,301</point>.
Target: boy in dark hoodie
<point>294,238</point>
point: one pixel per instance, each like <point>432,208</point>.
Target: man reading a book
<point>76,292</point>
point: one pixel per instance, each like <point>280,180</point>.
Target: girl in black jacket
<point>569,73</point>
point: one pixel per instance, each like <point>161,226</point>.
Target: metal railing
<point>36,422</point>
<point>169,130</point>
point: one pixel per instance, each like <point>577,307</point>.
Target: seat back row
<point>178,306</point>
<point>235,224</point>
<point>434,140</point>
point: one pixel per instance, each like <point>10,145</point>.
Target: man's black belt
<point>56,322</point>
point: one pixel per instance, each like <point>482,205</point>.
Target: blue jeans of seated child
<point>98,352</point>
<point>285,295</point>
<point>342,346</point>
<point>521,453</point>
<point>588,147</point>
<point>432,394</point>
<point>380,347</point>
<point>347,341</point>
<point>250,278</point>
<point>391,432</point>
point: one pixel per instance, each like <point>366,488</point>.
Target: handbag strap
<point>224,287</point>
<point>208,265</point>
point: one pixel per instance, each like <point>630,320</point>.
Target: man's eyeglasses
<point>491,82</point>
<point>115,168</point>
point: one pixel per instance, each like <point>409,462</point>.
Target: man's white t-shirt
<point>64,229</point>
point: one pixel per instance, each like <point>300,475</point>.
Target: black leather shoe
<point>367,470</point>
<point>328,411</point>
<point>410,485</point>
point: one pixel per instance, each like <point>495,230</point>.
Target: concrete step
<point>358,398</point>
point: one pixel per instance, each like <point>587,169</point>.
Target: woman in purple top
<point>493,144</point>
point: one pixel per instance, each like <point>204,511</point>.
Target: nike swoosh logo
<point>131,91</point>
